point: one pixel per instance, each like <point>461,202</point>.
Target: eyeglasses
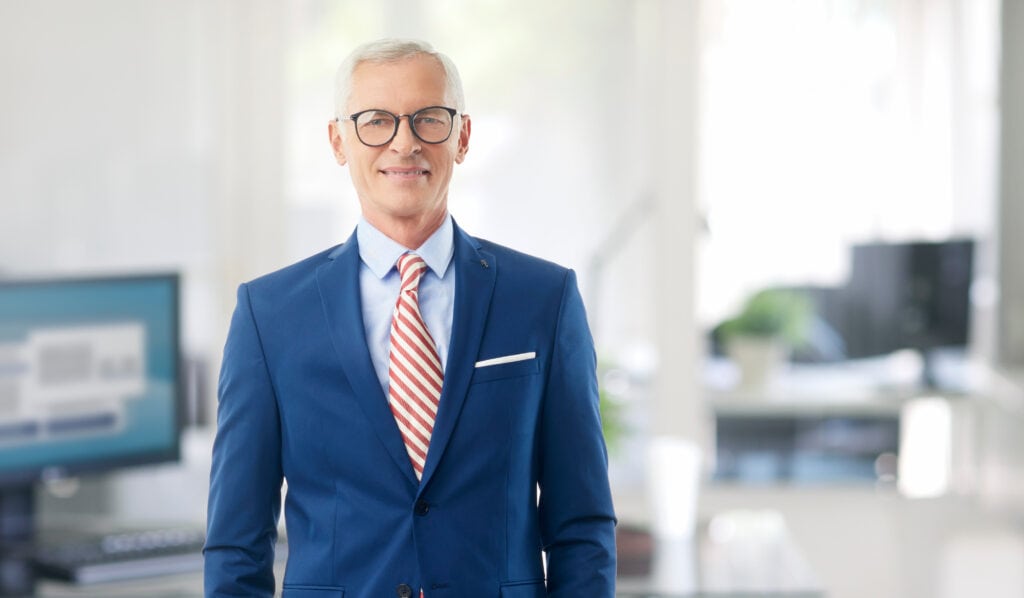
<point>376,127</point>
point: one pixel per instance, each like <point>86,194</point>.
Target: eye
<point>375,120</point>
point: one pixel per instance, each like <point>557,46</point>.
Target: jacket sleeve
<point>576,514</point>
<point>245,478</point>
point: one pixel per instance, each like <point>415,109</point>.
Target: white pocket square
<point>506,359</point>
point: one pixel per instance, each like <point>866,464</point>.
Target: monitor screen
<point>908,295</point>
<point>89,375</point>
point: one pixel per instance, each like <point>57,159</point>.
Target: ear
<point>464,131</point>
<point>334,133</point>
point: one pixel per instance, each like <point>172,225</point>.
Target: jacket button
<point>422,507</point>
<point>404,590</point>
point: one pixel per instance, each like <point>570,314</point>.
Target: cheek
<point>444,160</point>
<point>361,176</point>
<point>362,164</point>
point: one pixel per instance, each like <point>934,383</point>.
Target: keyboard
<point>121,556</point>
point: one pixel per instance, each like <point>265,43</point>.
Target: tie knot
<point>411,268</point>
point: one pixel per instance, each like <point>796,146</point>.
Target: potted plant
<point>760,337</point>
<point>610,408</point>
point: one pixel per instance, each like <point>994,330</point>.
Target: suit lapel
<point>475,272</point>
<point>338,282</point>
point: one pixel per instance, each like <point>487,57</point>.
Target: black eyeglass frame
<point>398,119</point>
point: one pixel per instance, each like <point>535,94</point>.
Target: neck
<point>409,233</point>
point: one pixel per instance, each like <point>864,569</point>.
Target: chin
<point>413,207</point>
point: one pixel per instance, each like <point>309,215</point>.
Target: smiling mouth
<point>405,173</point>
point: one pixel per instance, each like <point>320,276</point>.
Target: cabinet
<point>845,424</point>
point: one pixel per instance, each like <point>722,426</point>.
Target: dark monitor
<point>908,296</point>
<point>89,381</point>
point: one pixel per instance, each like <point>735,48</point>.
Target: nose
<point>405,142</point>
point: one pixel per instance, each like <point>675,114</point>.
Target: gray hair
<point>393,50</point>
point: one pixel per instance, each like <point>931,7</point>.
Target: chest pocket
<point>499,371</point>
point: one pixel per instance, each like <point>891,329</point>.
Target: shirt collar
<point>380,252</point>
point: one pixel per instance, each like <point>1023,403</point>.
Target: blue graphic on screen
<point>88,372</point>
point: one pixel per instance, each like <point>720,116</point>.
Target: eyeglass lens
<point>377,127</point>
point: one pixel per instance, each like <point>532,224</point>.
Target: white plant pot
<point>759,359</point>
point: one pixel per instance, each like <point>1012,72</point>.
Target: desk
<point>852,422</point>
<point>737,554</point>
<point>171,586</point>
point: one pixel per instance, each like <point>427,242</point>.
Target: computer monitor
<point>908,296</point>
<point>89,381</point>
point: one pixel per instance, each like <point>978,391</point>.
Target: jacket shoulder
<point>515,262</point>
<point>292,277</point>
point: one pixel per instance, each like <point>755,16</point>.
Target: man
<point>429,397</point>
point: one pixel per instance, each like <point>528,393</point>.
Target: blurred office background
<point>681,156</point>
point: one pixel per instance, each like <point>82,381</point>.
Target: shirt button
<point>422,507</point>
<point>404,590</point>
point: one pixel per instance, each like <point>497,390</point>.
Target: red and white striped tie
<point>414,369</point>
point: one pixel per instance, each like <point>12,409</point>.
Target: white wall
<point>107,149</point>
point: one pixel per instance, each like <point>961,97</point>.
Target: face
<point>402,185</point>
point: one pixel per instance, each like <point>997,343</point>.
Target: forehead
<point>403,85</point>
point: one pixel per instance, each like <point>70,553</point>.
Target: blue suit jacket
<point>299,400</point>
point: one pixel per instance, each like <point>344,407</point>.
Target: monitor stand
<point>944,369</point>
<point>17,532</point>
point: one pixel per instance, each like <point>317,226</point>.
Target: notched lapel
<point>338,283</point>
<point>474,284</point>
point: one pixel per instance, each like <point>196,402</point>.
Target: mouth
<point>404,173</point>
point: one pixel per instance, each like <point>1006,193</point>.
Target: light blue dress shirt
<point>379,283</point>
